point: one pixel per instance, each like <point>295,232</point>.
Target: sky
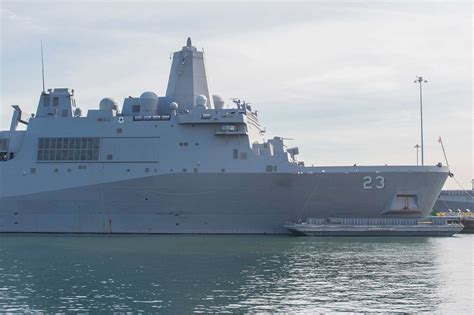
<point>337,77</point>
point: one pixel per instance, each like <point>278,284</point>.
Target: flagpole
<point>417,147</point>
<point>444,152</point>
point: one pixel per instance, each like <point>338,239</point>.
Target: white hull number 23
<point>371,183</point>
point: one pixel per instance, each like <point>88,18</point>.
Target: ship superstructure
<point>185,162</point>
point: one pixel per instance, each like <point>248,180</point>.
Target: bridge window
<point>56,101</point>
<point>46,100</point>
<point>4,143</point>
<point>68,149</point>
<point>136,108</point>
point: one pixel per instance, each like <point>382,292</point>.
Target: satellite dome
<point>148,102</point>
<point>148,94</point>
<point>218,102</point>
<point>108,104</point>
<point>77,112</point>
<point>201,100</point>
<point>173,106</point>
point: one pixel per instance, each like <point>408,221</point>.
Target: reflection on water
<point>183,274</point>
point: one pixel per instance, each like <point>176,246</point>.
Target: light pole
<point>420,80</point>
<point>417,147</point>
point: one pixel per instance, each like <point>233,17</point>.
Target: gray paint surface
<point>197,169</point>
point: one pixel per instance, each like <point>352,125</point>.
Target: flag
<point>439,140</point>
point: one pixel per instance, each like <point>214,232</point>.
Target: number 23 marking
<point>368,182</point>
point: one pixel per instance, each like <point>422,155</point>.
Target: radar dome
<point>77,112</point>
<point>218,102</point>
<point>201,100</point>
<point>108,104</point>
<point>148,102</point>
<point>173,106</point>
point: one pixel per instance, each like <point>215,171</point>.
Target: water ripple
<point>228,274</point>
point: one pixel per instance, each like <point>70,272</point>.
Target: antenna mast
<point>42,65</point>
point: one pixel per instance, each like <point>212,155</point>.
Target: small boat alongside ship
<point>465,218</point>
<point>431,226</point>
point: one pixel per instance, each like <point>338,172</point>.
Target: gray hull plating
<point>239,203</point>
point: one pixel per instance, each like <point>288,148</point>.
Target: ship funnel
<point>188,78</point>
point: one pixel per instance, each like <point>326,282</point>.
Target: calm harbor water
<point>224,274</point>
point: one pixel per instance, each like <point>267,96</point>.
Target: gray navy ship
<point>457,205</point>
<point>455,201</point>
<point>185,162</point>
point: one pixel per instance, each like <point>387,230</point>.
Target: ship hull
<point>227,203</point>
